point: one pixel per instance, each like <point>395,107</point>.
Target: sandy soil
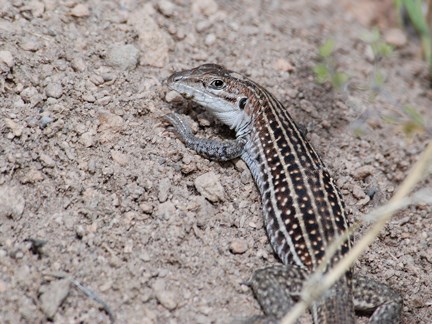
<point>127,210</point>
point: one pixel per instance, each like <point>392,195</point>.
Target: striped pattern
<point>302,206</point>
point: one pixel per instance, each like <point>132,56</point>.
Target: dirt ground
<point>92,188</point>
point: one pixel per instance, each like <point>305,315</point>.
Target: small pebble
<point>173,96</point>
<point>80,231</point>
<point>109,121</point>
<point>147,208</point>
<point>363,172</point>
<point>28,94</point>
<point>210,39</point>
<point>153,41</point>
<point>283,65</point>
<point>78,64</point>
<point>164,189</point>
<point>37,8</point>
<point>96,79</point>
<point>120,158</point>
<point>30,45</point>
<point>12,202</point>
<point>395,37</point>
<point>54,90</point>
<point>124,57</point>
<point>44,121</point>
<point>14,127</point>
<point>87,139</point>
<point>166,210</point>
<point>6,61</point>
<point>209,186</point>
<point>32,176</point>
<point>88,97</point>
<point>80,10</point>
<point>167,298</point>
<point>166,8</point>
<point>238,246</point>
<point>203,25</point>
<point>46,160</point>
<point>53,297</point>
<point>206,7</point>
<point>358,192</point>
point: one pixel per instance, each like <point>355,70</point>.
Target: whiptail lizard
<point>303,209</point>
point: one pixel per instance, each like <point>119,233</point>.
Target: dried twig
<point>318,283</point>
<point>87,291</point>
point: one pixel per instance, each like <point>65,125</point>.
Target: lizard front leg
<point>211,149</point>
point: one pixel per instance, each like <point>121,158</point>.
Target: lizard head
<point>223,93</point>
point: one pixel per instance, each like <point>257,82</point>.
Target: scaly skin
<point>303,209</point>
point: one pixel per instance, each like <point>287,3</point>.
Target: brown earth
<point>127,210</point>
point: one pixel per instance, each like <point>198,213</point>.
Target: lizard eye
<point>242,103</point>
<point>217,84</point>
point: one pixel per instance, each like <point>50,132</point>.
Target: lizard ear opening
<point>242,103</point>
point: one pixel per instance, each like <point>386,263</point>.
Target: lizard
<point>303,209</point>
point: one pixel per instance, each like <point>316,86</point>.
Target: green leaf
<point>410,128</point>
<point>327,48</point>
<point>378,79</point>
<point>383,49</point>
<point>390,119</point>
<point>372,36</point>
<point>339,79</point>
<point>414,9</point>
<point>321,72</point>
<point>414,116</point>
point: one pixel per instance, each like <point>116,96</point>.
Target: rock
<point>30,45</point>
<point>358,192</point>
<point>28,94</point>
<point>78,64</point>
<point>164,188</point>
<point>283,65</point>
<point>167,298</point>
<point>88,97</point>
<point>37,8</point>
<point>166,210</point>
<point>53,297</point>
<point>203,25</point>
<point>146,207</point>
<point>238,246</point>
<point>120,158</point>
<point>54,90</point>
<point>363,172</point>
<point>206,7</point>
<point>173,96</point>
<point>124,57</point>
<point>14,127</point>
<point>45,121</point>
<point>209,186</point>
<point>153,41</point>
<point>6,61</point>
<point>46,160</point>
<point>210,39</point>
<point>96,79</point>
<point>12,202</point>
<point>80,10</point>
<point>109,121</point>
<point>32,176</point>
<point>205,211</point>
<point>166,8</point>
<point>395,37</point>
<point>87,139</point>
